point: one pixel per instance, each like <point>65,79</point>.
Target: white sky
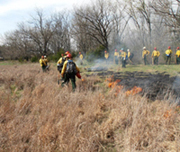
<point>13,12</point>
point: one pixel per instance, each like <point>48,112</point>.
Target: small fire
<point>168,114</point>
<point>133,91</point>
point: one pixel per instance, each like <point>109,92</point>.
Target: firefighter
<point>42,63</point>
<point>123,58</point>
<point>60,62</point>
<point>69,72</point>
<point>177,56</point>
<point>155,56</point>
<point>81,58</point>
<point>106,55</point>
<point>168,53</point>
<point>46,62</point>
<point>130,56</point>
<point>116,56</point>
<point>145,53</point>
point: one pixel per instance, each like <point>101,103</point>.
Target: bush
<point>34,59</point>
<point>95,54</point>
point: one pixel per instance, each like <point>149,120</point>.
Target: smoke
<point>176,87</point>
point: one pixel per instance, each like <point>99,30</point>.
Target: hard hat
<point>67,52</point>
<point>122,49</point>
<point>155,48</point>
<point>128,50</point>
<point>177,48</point>
<point>69,56</point>
<point>42,56</point>
<point>169,47</point>
<point>144,48</point>
<point>115,50</point>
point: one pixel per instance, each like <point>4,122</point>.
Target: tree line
<point>102,23</point>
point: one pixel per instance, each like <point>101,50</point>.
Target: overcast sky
<point>13,12</point>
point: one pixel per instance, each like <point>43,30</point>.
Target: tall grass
<point>37,115</point>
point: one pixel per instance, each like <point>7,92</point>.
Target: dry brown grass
<point>38,115</point>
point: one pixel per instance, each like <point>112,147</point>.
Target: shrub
<point>34,59</point>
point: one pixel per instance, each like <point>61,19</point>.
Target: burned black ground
<point>156,86</point>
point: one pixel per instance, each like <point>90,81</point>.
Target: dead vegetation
<point>38,115</point>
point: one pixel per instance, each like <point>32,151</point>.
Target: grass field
<point>37,114</point>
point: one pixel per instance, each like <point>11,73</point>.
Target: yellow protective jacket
<point>60,60</point>
<point>145,52</point>
<point>106,55</point>
<point>129,54</point>
<point>168,52</point>
<point>46,61</point>
<point>178,53</point>
<point>123,54</point>
<point>42,62</point>
<point>64,68</point>
<point>155,53</point>
<point>116,54</point>
<point>81,56</point>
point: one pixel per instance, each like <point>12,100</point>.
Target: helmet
<point>144,48</point>
<point>115,50</point>
<point>42,57</point>
<point>177,48</point>
<point>67,52</point>
<point>155,48</point>
<point>105,51</point>
<point>122,49</point>
<point>45,56</point>
<point>69,56</point>
<point>128,50</point>
<point>169,47</point>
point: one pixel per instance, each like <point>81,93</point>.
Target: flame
<point>114,85</point>
<point>168,114</point>
<point>133,91</point>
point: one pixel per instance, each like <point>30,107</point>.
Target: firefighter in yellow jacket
<point>155,56</point>
<point>123,58</point>
<point>69,72</point>
<point>168,53</point>
<point>145,53</point>
<point>177,56</point>
<point>42,63</point>
<point>81,58</point>
<point>116,56</point>
<point>106,55</point>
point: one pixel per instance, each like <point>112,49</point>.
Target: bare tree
<point>61,37</point>
<point>39,30</point>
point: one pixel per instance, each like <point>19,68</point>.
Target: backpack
<point>126,57</point>
<point>71,67</point>
<point>131,55</point>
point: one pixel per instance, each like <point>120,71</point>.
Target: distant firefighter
<point>155,56</point>
<point>130,55</point>
<point>145,53</point>
<point>168,53</point>
<point>123,58</point>
<point>116,56</point>
<point>106,55</point>
<point>81,58</point>
<point>43,64</point>
<point>177,56</point>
